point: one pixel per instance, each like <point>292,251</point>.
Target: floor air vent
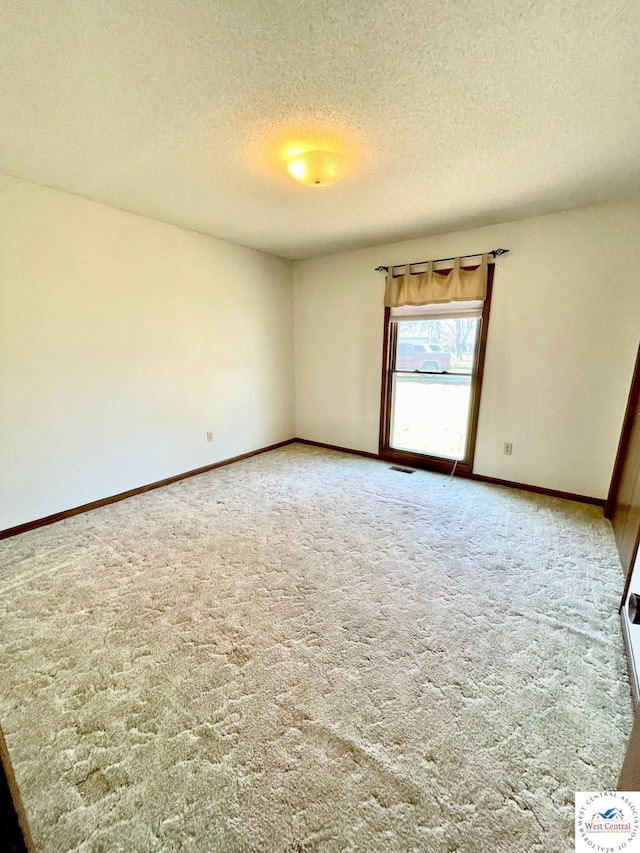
<point>401,469</point>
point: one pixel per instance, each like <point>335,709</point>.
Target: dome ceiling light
<point>317,168</point>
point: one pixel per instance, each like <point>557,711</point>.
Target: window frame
<point>421,460</point>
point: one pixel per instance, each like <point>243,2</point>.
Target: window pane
<point>437,345</point>
<point>430,414</point>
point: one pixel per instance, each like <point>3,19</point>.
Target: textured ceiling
<point>453,113</point>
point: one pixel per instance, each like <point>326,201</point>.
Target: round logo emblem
<point>607,821</point>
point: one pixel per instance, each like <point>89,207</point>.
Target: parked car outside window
<point>428,357</point>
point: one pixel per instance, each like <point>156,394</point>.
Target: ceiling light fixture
<point>317,168</point>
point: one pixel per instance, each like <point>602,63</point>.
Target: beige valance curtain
<point>429,287</point>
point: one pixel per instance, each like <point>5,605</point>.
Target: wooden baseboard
<point>539,490</point>
<point>14,829</point>
<point>67,513</point>
<point>59,516</point>
<point>322,444</point>
<point>524,487</point>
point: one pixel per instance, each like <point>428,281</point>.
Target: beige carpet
<point>307,651</point>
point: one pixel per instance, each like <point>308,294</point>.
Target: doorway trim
<point>625,437</point>
<point>628,425</point>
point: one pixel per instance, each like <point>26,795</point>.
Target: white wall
<point>122,342</point>
<point>562,340</point>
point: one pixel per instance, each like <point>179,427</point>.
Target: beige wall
<point>122,342</point>
<point>562,340</point>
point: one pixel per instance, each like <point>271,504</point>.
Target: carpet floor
<point>307,651</point>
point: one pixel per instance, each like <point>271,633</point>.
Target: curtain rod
<point>494,252</point>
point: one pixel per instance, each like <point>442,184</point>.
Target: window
<point>433,362</point>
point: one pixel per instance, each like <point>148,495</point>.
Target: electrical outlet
<point>209,436</point>
<point>508,448</point>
